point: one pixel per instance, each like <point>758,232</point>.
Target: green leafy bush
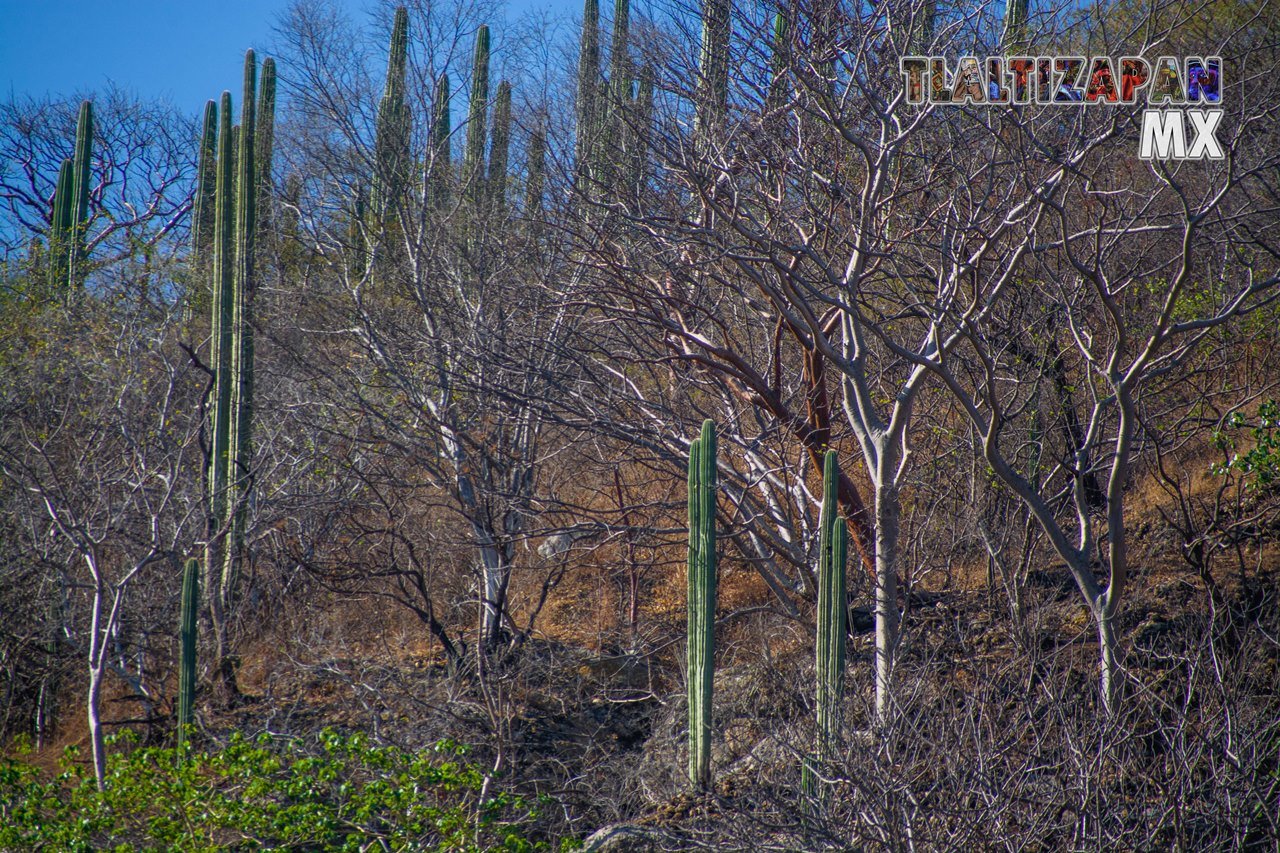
<point>331,792</point>
<point>1260,464</point>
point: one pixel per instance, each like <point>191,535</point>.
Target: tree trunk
<point>888,511</point>
<point>1109,651</point>
<point>96,740</point>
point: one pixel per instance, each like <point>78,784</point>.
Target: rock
<point>624,838</point>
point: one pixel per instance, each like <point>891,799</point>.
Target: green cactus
<point>391,144</point>
<point>832,619</point>
<point>588,81</point>
<point>264,143</point>
<point>537,171</point>
<point>473,162</point>
<point>701,601</point>
<point>202,216</point>
<point>241,436</point>
<point>70,217</point>
<point>642,126</point>
<point>80,194</point>
<point>187,646</point>
<point>60,228</point>
<point>230,476</point>
<point>500,149</point>
<point>713,67</point>
<point>1015,23</point>
<point>439,162</point>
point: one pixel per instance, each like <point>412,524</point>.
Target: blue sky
<point>182,50</point>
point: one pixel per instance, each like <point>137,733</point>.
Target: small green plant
<point>1260,465</point>
<point>334,791</point>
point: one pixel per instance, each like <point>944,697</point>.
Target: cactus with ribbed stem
<point>391,143</point>
<point>642,112</point>
<point>713,68</point>
<point>246,211</point>
<point>230,477</point>
<point>70,217</point>
<point>187,646</point>
<point>60,228</point>
<point>1015,23</point>
<point>264,142</point>
<point>832,619</point>
<point>473,162</point>
<point>81,177</point>
<point>202,216</point>
<point>587,129</point>
<point>221,339</point>
<point>500,149</point>
<point>701,601</point>
<point>439,161</point>
<point>619,53</point>
<point>537,171</point>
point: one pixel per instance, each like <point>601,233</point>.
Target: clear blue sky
<point>185,50</point>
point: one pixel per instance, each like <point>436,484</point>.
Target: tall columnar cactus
<point>620,53</point>
<point>537,171</point>
<point>832,618</point>
<point>60,227</point>
<point>588,84</point>
<point>642,126</point>
<point>391,145</point>
<point>500,149</point>
<point>204,212</point>
<point>245,284</point>
<point>80,193</point>
<point>230,476</point>
<point>1015,23</point>
<point>187,646</point>
<point>701,601</point>
<point>713,68</point>
<point>439,161</point>
<point>264,143</point>
<point>71,208</point>
<point>473,163</point>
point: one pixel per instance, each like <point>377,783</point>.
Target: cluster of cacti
<point>612,115</point>
<point>832,618</point>
<point>239,175</point>
<point>71,208</point>
<point>187,646</point>
<point>701,600</point>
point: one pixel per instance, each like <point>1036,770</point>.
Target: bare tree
<point>106,454</point>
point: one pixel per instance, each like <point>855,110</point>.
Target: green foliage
<point>332,792</point>
<point>701,601</point>
<point>1260,465</point>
